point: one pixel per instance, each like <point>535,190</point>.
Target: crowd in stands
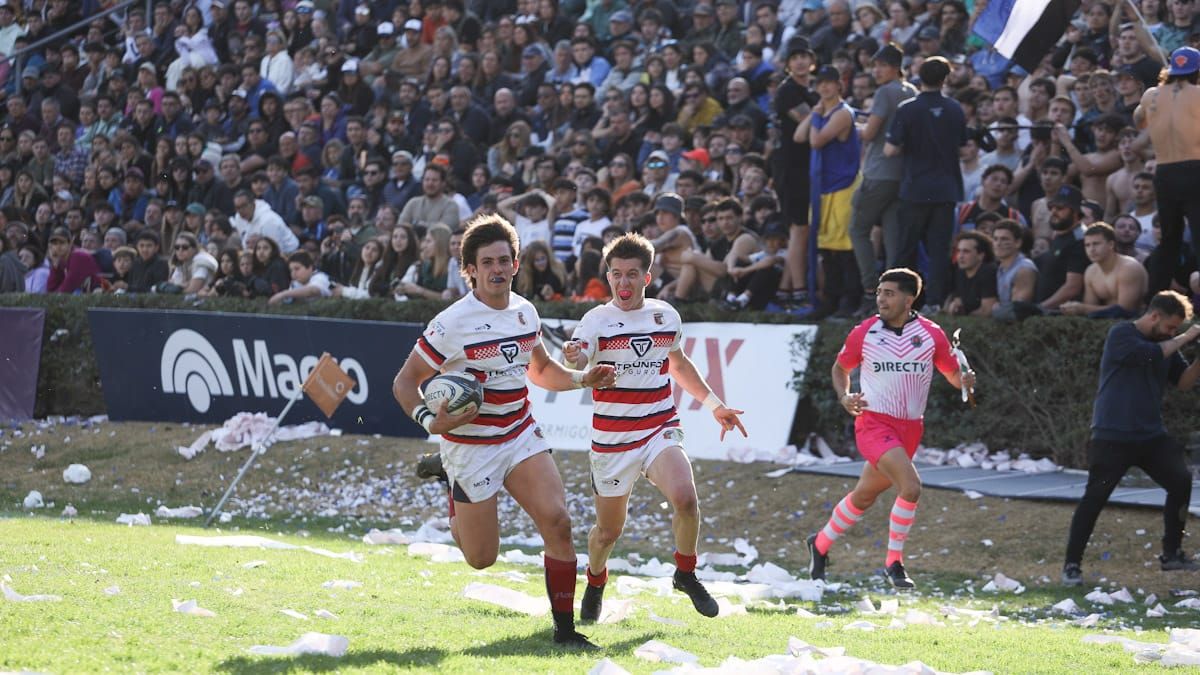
<point>773,150</point>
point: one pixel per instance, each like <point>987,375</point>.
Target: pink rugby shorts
<point>876,433</point>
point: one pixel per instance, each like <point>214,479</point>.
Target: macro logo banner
<point>208,366</point>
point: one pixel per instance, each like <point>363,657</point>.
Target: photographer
<point>1140,358</point>
<point>338,252</point>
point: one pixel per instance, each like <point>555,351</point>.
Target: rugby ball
<point>464,393</point>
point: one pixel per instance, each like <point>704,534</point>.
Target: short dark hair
<point>303,257</point>
<point>1171,303</point>
<point>983,243</point>
<point>1103,229</point>
<point>1045,83</point>
<point>484,230</point>
<point>630,246</point>
<point>1010,226</point>
<point>729,204</point>
<point>908,280</point>
<point>998,168</point>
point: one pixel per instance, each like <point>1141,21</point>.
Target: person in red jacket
<point>72,270</point>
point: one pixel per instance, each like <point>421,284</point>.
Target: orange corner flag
<point>328,385</point>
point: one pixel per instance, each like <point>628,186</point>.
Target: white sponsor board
<point>750,366</point>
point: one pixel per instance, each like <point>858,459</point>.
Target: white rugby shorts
<point>477,472</point>
<point>614,473</point>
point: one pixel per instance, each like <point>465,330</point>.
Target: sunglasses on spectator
<point>709,219</point>
<point>8,138</point>
<point>656,164</point>
<point>182,247</point>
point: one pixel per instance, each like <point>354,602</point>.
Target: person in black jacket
<point>150,268</point>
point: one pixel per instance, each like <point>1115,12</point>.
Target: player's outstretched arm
<point>406,389</point>
<point>684,372</point>
<point>547,373</point>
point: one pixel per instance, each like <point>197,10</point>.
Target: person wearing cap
<point>620,27</point>
<point>877,201</point>
<point>353,91</point>
<point>657,175</point>
<point>926,134</point>
<point>1061,268</point>
<point>793,103</point>
<point>1169,112</point>
<point>534,67</point>
<point>704,26</point>
<point>380,58</point>
<point>72,270</point>
<point>812,19</point>
<point>401,185</point>
<point>414,59</point>
<point>674,243</point>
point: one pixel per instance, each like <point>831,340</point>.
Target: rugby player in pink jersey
<point>896,352</point>
<point>635,426</point>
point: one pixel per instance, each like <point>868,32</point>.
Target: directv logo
<point>190,365</point>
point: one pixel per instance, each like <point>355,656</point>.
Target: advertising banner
<point>207,366</point>
<point>20,358</point>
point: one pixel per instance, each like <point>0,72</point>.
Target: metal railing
<point>12,58</point>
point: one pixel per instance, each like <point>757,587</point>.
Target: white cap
<point>385,28</point>
<point>362,9</point>
<point>350,66</point>
<point>413,24</point>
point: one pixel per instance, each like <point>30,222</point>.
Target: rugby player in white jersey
<point>495,335</point>
<point>635,427</point>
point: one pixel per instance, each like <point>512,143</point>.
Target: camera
<point>1041,131</point>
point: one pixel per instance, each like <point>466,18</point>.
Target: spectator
<point>1016,274</point>
<point>973,291</point>
<point>1061,268</point>
<point>599,205</point>
<point>1113,284</point>
<point>269,265</point>
<point>72,270</point>
<point>192,268</point>
<point>227,275</point>
<point>732,248</point>
<point>433,206</point>
<point>1128,231</point>
<point>589,286</point>
<point>541,276</point>
<point>254,217</point>
<point>1094,167</point>
<point>1145,204</point>
<point>37,266</point>
<point>428,278</point>
<point>994,185</point>
<point>530,214</point>
<point>307,282</point>
<point>1118,187</point>
<point>362,279</point>
<point>399,256</point>
<point>932,179</point>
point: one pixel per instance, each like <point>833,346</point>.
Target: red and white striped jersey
<point>897,365</point>
<point>494,346</point>
<point>637,344</point>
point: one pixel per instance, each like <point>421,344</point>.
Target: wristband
<point>712,402</point>
<point>577,378</point>
<point>424,416</point>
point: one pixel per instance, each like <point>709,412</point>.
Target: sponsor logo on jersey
<point>612,481</point>
<point>899,367</point>
<point>486,326</point>
<point>658,318</point>
<point>509,351</point>
<point>641,344</point>
<point>521,317</point>
<point>618,324</point>
<point>482,483</point>
<point>917,341</point>
<point>649,367</point>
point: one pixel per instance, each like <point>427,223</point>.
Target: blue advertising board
<point>205,367</point>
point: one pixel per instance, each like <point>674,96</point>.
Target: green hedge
<point>1037,378</point>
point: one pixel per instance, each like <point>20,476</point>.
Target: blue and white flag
<point>1025,30</point>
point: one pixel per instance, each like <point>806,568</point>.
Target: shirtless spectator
<point>1094,167</point>
<point>973,292</point>
<point>1114,285</point>
<point>1118,188</point>
<point>673,242</point>
<point>1171,111</point>
<point>1016,274</point>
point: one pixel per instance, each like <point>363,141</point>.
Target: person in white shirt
<point>599,204</point>
<point>307,282</point>
<point>255,217</point>
<point>530,213</point>
<point>277,64</point>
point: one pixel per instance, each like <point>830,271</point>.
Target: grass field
<point>409,612</point>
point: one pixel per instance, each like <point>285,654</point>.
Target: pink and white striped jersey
<point>897,365</point>
<point>637,343</point>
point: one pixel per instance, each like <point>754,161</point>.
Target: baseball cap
<point>775,227</point>
<point>702,10</point>
<point>30,71</point>
<point>60,233</point>
<point>744,121</point>
<point>239,93</point>
<point>621,16</point>
<point>362,9</point>
<point>196,208</point>
<point>413,24</point>
<point>1184,61</point>
<point>403,155</point>
<point>134,172</point>
<point>698,155</point>
<point>669,202</point>
<point>385,28</point>
<point>172,204</point>
<point>314,201</point>
<point>1067,195</point>
<point>203,165</point>
<point>147,66</point>
<point>1126,71</point>
<point>64,195</point>
<point>890,54</point>
<point>305,7</point>
<point>531,51</point>
<point>659,155</point>
<point>812,6</point>
<point>929,33</point>
<point>828,74</point>
<point>350,66</point>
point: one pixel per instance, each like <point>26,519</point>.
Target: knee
<point>480,559</point>
<point>910,492</point>
<point>557,526</point>
<point>607,536</point>
<point>686,503</point>
<point>863,500</point>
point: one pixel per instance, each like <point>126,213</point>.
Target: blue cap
<point>812,5</point>
<point>1184,61</point>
